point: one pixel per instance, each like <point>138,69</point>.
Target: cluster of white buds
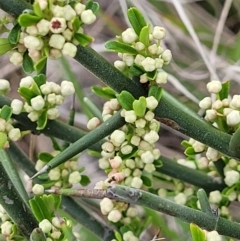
<point>149,57</point>
<point>4,86</point>
<point>54,229</point>
<point>226,110</point>
<point>64,175</point>
<point>50,96</point>
<point>54,31</point>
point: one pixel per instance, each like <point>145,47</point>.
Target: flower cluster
<point>54,229</point>
<point>41,98</point>
<point>63,176</point>
<point>149,58</point>
<point>55,31</point>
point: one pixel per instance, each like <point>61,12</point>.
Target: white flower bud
<point>235,102</point>
<point>205,103</point>
<point>6,228</point>
<point>128,59</point>
<point>67,34</point>
<point>43,27</point>
<point>152,102</point>
<point>126,149</point>
<point>26,82</point>
<point>159,33</point>
<point>153,49</point>
<point>69,49</point>
<point>212,154</point>
<point>130,116</point>
<point>79,8</point>
<point>136,182</point>
<point>32,30</point>
<point>129,36</point>
<point>54,174</point>
<point>162,192</point>
<point>180,198</point>
<point>135,140</point>
<point>233,118</point>
<point>217,104</point>
<point>211,115</point>
<point>202,162</point>
<point>67,88</point>
<point>32,42</point>
<point>103,163</point>
<point>151,137</point>
<point>14,134</point>
<point>16,58</point>
<point>126,172</point>
<point>140,123</point>
<point>138,59</point>
<point>147,157</point>
<point>106,206</point>
<point>114,216</point>
<point>150,168</point>
<point>161,77</point>
<point>33,116</point>
<point>130,163</point>
<point>115,162</point>
<point>68,13</point>
<point>120,65</point>
<point>232,196</point>
<point>56,235</point>
<point>215,197</point>
<point>87,16</point>
<point>93,123</point>
<point>132,212</point>
<point>57,222</point>
<point>74,177</point>
<point>213,236</point>
<point>118,137</point>
<point>231,177</point>
<point>37,103</point>
<point>4,86</point>
<point>143,78</point>
<point>34,54</point>
<point>166,56</point>
<point>56,41</point>
<point>149,64</point>
<point>198,146</point>
<point>59,99</point>
<point>55,53</point>
<point>16,105</point>
<point>57,25</point>
<point>38,189</point>
<point>214,86</point>
<point>53,113</point>
<point>42,4</point>
<point>57,11</point>
<point>139,46</point>
<point>39,165</point>
<point>45,225</point>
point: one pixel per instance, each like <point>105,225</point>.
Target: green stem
<point>14,7</point>
<point>83,217</point>
<point>189,215</point>
<point>14,205</point>
<point>194,177</point>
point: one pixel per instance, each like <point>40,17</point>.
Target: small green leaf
<point>27,94</point>
<point>104,92</point>
<point>156,92</point>
<point>118,236</point>
<point>42,121</point>
<point>94,153</point>
<point>126,100</point>
<point>83,39</point>
<point>37,10</point>
<point>36,209</point>
<point>158,163</point>
<point>94,6</point>
<point>40,79</point>
<point>3,139</point>
<point>57,201</point>
<point>45,157</point>
<point>5,46</point>
<point>140,106</point>
<point>85,180</point>
<point>152,75</point>
<point>26,20</point>
<point>147,179</point>
<point>189,151</point>
<point>223,94</point>
<point>49,201</point>
<point>76,24</point>
<point>185,144</point>
<point>40,64</point>
<point>6,112</point>
<point>130,155</point>
<point>136,19</point>
<point>144,35</point>
<point>27,63</point>
<point>135,70</point>
<point>14,35</point>
<point>197,233</point>
<point>120,47</point>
